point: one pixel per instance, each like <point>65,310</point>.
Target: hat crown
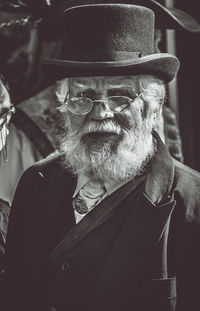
<point>109,40</point>
<point>107,32</point>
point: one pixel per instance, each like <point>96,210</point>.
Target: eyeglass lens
<point>83,105</point>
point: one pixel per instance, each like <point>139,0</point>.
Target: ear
<point>159,127</point>
<point>158,112</point>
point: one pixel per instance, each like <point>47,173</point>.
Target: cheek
<point>134,116</point>
<point>75,121</point>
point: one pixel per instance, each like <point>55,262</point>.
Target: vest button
<point>65,266</point>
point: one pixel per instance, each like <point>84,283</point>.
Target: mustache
<point>107,125</point>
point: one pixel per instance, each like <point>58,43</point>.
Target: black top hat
<point>110,39</point>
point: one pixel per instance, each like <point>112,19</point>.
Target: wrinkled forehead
<point>136,83</point>
<point>103,82</point>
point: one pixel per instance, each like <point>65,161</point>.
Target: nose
<point>99,111</point>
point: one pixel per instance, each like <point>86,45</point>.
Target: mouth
<point>101,136</point>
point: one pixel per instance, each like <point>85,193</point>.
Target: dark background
<point>188,51</point>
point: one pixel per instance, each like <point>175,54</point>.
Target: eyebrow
<point>80,81</point>
<point>120,86</point>
<point>120,82</point>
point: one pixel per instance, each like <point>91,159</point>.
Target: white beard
<point>120,160</point>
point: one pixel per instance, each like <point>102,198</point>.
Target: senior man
<point>112,223</point>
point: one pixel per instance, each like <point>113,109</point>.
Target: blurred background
<point>188,51</point>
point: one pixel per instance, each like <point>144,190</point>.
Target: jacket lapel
<point>128,262</point>
<point>90,222</point>
<point>143,229</point>
<point>160,176</point>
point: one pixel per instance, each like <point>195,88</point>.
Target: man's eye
<point>118,92</point>
<point>87,93</point>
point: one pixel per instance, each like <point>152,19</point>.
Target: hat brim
<point>162,65</point>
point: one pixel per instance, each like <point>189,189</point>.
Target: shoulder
<point>43,175</point>
<point>186,176</point>
<point>45,181</point>
<point>49,168</point>
<point>187,191</point>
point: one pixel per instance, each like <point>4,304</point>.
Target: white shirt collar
<point>110,186</point>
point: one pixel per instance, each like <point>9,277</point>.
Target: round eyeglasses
<point>83,105</point>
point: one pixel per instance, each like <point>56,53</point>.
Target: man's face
<point>103,134</point>
<point>100,88</point>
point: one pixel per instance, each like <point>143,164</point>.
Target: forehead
<point>102,81</point>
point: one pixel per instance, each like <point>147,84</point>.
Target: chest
<point>113,266</point>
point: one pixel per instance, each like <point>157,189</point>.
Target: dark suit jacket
<point>142,255</point>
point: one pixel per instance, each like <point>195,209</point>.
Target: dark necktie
<point>89,196</point>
